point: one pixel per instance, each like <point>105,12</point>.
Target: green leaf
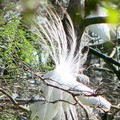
<point>113,15</point>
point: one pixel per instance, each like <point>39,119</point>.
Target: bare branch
<point>62,101</point>
<point>21,101</point>
<point>110,61</point>
<point>82,106</point>
<point>105,57</point>
<point>94,20</point>
<point>13,101</point>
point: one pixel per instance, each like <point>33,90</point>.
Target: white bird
<point>103,30</point>
<point>68,67</point>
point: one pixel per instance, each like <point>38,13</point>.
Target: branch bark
<point>110,61</point>
<point>105,57</point>
<point>94,20</point>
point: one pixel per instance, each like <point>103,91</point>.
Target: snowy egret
<point>68,67</point>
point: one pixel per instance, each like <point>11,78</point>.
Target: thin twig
<point>82,106</point>
<point>13,101</point>
<point>21,101</point>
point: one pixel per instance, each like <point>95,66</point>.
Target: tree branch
<point>82,106</point>
<point>94,20</point>
<point>13,101</point>
<point>116,111</point>
<point>21,101</point>
<point>110,61</point>
<point>105,57</point>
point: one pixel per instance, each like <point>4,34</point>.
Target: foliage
<point>18,48</point>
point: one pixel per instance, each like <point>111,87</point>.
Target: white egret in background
<point>68,69</point>
<point>103,30</point>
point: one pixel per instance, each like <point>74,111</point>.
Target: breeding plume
<point>67,74</point>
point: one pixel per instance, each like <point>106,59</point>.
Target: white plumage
<point>68,66</point>
<point>103,30</point>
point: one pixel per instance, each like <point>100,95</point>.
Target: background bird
<point>68,68</point>
<point>104,30</point>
